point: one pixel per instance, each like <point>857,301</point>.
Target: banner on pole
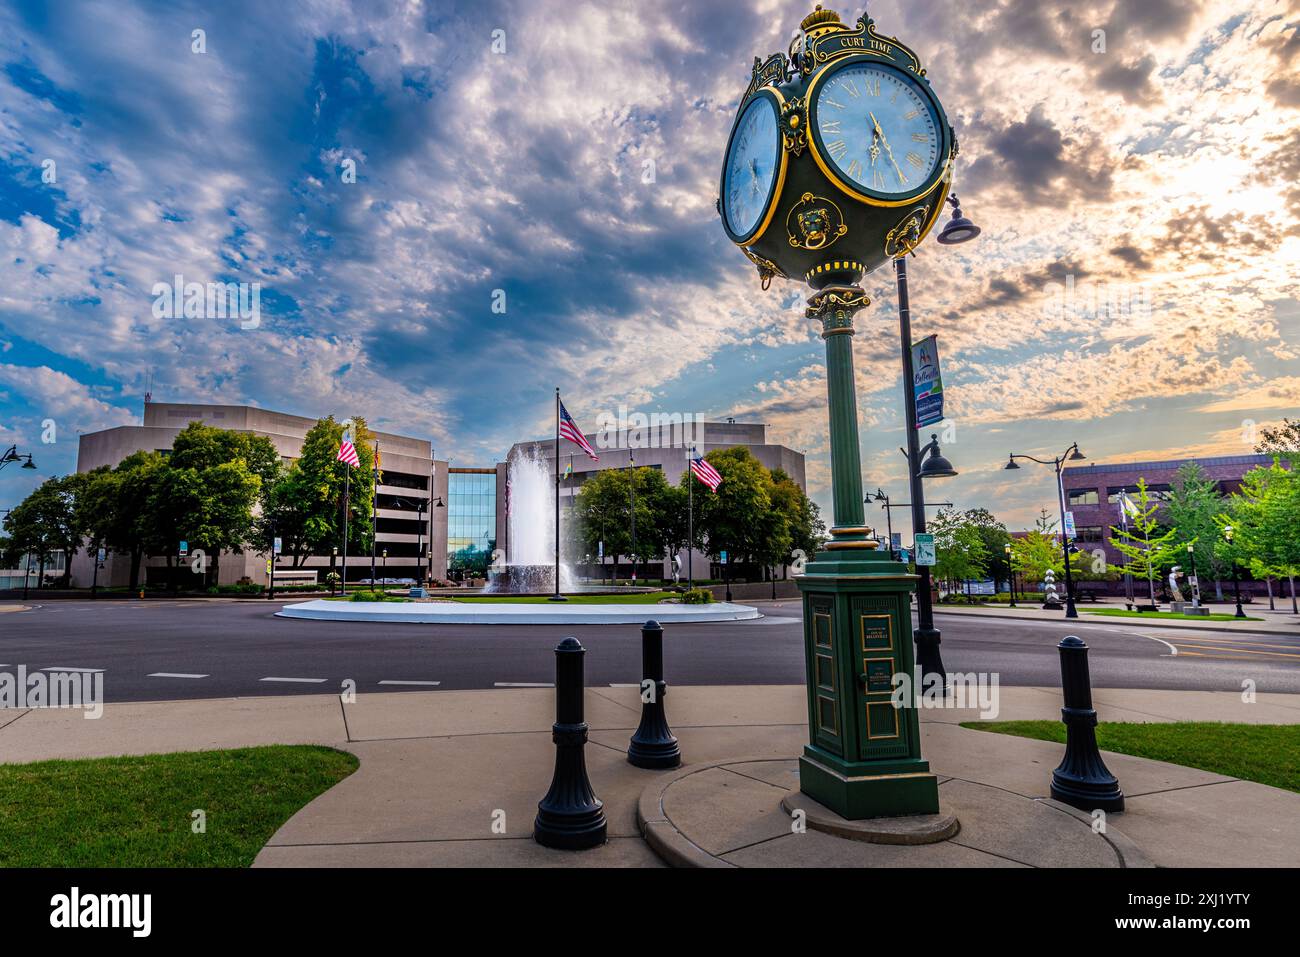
<point>926,382</point>
<point>1069,526</point>
<point>925,549</point>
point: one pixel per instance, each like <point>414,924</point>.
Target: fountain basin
<point>514,613</point>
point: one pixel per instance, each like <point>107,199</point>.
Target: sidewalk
<point>1273,623</point>
<point>439,769</point>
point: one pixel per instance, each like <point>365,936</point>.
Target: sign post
<point>925,553</point>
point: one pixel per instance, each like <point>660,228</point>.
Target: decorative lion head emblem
<point>814,223</point>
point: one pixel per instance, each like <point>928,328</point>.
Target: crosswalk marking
<point>309,681</point>
<point>523,684</point>
<point>174,674</point>
<point>432,684</point>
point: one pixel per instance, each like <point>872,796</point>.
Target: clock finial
<point>821,21</point>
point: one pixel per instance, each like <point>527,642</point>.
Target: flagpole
<point>557,596</point>
<point>347,483</point>
<point>690,515</point>
<point>374,511</point>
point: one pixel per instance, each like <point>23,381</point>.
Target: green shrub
<point>365,595</point>
<point>697,596</point>
<point>235,590</point>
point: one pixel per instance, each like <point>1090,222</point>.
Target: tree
<point>960,553</point>
<point>807,531</point>
<point>733,518</point>
<point>49,520</point>
<point>305,505</point>
<point>601,513</point>
<point>117,505</point>
<point>208,493</point>
<point>1282,441</point>
<point>1147,556</point>
<point>1265,519</point>
<point>1193,507</point>
<point>994,537</point>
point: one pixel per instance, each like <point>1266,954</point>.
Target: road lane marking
<point>1173,652</point>
<point>523,684</point>
<point>1238,651</point>
<point>308,681</point>
<point>626,685</point>
<point>432,684</point>
<point>72,669</point>
<point>174,674</point>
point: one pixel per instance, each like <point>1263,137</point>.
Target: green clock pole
<point>864,753</point>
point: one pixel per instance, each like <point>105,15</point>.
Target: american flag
<point>706,473</point>
<point>348,454</point>
<point>569,430</point>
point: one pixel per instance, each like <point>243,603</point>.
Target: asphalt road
<point>159,650</point>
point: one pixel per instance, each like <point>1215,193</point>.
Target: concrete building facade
<point>666,447</point>
<point>1092,492</point>
<point>410,523</point>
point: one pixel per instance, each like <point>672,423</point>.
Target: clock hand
<point>888,149</point>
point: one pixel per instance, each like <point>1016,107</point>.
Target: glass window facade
<point>471,522</point>
<point>1083,496</point>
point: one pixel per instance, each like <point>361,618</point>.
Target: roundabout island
<point>515,613</point>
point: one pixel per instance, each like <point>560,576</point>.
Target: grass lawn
<point>1267,753</point>
<point>136,811</point>
<point>1123,613</point>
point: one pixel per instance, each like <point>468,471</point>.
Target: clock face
<point>750,173</point>
<point>878,130</point>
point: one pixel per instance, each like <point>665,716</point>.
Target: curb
<point>1130,855</point>
<point>672,846</point>
<point>677,850</point>
<point>1104,619</point>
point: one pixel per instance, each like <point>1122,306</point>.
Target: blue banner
<point>926,382</point>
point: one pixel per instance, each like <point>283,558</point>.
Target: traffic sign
<point>185,548</point>
<point>925,549</point>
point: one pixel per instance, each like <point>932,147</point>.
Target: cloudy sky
<point>571,161</point>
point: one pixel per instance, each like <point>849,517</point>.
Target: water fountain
<point>531,523</point>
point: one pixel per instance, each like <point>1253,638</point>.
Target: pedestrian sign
<point>925,549</point>
<point>185,548</point>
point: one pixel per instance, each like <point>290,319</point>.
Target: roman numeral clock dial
<point>877,131</point>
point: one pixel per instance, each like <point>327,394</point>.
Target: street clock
<point>840,156</point>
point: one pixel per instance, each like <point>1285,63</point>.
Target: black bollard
<point>570,817</point>
<point>1082,779</point>
<point>653,745</point>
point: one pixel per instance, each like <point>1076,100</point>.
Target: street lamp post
<point>926,636</point>
<point>12,454</point>
<point>334,554</point>
<point>1236,572</point>
<point>1011,574</point>
<point>1072,454</point>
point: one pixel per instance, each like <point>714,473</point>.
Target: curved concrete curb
<point>514,613</point>
<point>913,829</point>
<point>674,847</point>
<point>677,850</point>
<point>1130,855</point>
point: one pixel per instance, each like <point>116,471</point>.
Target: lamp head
<point>1076,455</point>
<point>29,464</point>
<point>936,466</point>
<point>1011,462</point>
<point>959,229</point>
